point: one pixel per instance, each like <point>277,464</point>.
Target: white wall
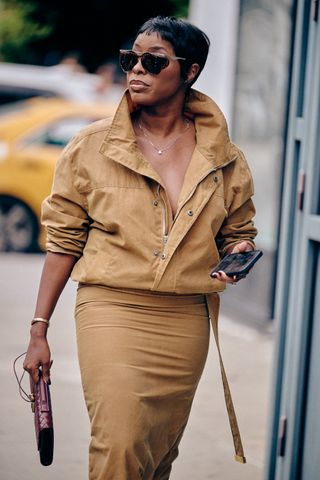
<point>219,20</point>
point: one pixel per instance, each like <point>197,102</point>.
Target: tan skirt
<point>141,356</point>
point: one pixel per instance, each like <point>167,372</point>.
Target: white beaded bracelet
<point>39,319</point>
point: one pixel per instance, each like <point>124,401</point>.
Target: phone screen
<point>237,263</point>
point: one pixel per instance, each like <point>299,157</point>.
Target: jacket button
<point>163,256</point>
<point>190,213</point>
<point>155,253</point>
<point>155,203</point>
<point>215,179</point>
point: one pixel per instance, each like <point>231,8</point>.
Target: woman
<point>142,207</point>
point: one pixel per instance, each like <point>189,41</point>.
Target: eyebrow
<point>154,47</point>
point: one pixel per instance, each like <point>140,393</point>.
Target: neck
<point>162,120</point>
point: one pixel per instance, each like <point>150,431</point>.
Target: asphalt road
<point>206,449</point>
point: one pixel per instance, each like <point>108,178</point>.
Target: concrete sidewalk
<point>206,451</point>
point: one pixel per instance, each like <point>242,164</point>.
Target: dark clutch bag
<point>40,400</point>
<point>41,406</point>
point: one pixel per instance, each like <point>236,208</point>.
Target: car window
<point>12,108</point>
<point>9,93</point>
<point>59,133</point>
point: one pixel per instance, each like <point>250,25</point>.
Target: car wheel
<point>18,227</point>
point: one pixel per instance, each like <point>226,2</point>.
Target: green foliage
<point>18,30</point>
<point>31,28</point>
<point>181,8</point>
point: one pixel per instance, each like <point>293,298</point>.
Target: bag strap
<point>23,394</point>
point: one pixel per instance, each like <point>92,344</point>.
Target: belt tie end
<point>240,459</point>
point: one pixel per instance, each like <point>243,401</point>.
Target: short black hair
<point>187,40</point>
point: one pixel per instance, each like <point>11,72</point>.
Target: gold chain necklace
<point>164,149</point>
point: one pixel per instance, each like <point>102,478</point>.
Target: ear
<point>192,73</point>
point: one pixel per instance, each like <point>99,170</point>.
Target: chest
<point>171,166</point>
<point>130,204</point>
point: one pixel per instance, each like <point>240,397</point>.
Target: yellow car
<point>32,137</point>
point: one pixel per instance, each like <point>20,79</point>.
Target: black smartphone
<point>237,264</point>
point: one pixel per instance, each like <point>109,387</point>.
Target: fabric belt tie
<point>213,309</point>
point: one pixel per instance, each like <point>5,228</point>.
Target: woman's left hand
<point>238,248</point>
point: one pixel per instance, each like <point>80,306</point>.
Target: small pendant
<point>159,152</point>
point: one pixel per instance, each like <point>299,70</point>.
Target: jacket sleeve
<point>238,224</point>
<point>64,212</point>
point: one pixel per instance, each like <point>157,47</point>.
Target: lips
<point>138,83</point>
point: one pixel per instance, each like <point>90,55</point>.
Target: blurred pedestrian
<point>107,88</point>
<point>71,63</point>
<point>142,207</point>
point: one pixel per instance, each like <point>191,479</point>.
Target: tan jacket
<point>109,207</point>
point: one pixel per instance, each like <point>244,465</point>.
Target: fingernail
<point>214,275</point>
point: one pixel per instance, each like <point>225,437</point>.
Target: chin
<point>142,98</point>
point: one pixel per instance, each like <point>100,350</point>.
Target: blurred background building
<point>295,412</point>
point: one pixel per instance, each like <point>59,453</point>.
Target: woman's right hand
<point>38,354</point>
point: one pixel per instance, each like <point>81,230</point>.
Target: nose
<point>138,68</point>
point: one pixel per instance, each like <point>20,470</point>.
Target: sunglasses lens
<point>154,63</point>
<point>128,60</point>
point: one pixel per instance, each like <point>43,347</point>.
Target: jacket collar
<point>213,144</point>
<point>211,128</point>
